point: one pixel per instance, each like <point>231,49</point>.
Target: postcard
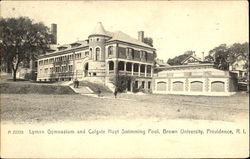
<point>124,79</point>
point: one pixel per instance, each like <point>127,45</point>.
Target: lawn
<point>27,108</point>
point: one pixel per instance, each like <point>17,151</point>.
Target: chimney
<point>202,56</point>
<point>54,33</point>
<point>141,36</point>
<point>194,53</point>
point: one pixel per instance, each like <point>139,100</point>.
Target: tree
<point>178,59</point>
<point>224,55</point>
<point>21,41</point>
<point>239,50</point>
<point>121,81</point>
<point>220,55</point>
<point>148,40</point>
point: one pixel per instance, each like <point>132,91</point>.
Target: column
<point>145,71</point>
<point>125,63</point>
<point>108,67</point>
<point>139,70</point>
<point>132,73</point>
<point>115,67</point>
<point>151,71</point>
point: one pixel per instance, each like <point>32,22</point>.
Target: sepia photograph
<point>124,79</point>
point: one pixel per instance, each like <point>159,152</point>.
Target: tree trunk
<point>14,74</point>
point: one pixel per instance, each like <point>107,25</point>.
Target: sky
<point>175,26</point>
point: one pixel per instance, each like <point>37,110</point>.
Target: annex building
<point>99,58</point>
<point>194,77</point>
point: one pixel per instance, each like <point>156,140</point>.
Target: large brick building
<point>99,58</point>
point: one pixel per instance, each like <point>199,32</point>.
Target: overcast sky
<point>174,26</point>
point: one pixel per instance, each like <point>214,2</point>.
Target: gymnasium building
<point>99,58</point>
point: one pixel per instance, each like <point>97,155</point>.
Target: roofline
<point>60,52</point>
<point>62,47</point>
<point>130,44</point>
<point>189,57</point>
<point>185,66</point>
<point>99,35</point>
<point>74,43</point>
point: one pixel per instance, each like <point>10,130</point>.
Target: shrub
<point>121,81</point>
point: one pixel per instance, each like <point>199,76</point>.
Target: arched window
<point>161,86</point>
<point>90,51</point>
<point>178,86</point>
<point>97,54</point>
<point>218,86</point>
<point>111,65</point>
<point>196,86</point>
<point>121,66</point>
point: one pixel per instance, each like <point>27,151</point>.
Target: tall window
<point>130,53</point>
<point>110,50</point>
<point>149,85</point>
<point>90,51</point>
<point>143,84</point>
<point>97,54</point>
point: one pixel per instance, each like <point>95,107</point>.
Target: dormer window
<point>75,44</point>
<point>62,48</point>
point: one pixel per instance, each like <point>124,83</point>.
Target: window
<point>86,53</point>
<point>110,50</point>
<point>97,39</point>
<point>45,62</point>
<point>70,68</point>
<point>143,84</point>
<point>149,85</point>
<point>94,74</point>
<point>51,60</point>
<point>136,84</point>
<point>111,65</point>
<point>41,62</point>
<point>46,70</point>
<point>97,54</point>
<point>130,53</point>
<point>143,54</point>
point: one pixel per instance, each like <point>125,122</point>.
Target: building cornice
<point>58,53</point>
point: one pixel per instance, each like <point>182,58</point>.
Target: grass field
<point>25,108</point>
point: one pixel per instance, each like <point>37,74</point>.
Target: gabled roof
<point>192,57</point>
<point>99,30</point>
<point>120,36</point>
